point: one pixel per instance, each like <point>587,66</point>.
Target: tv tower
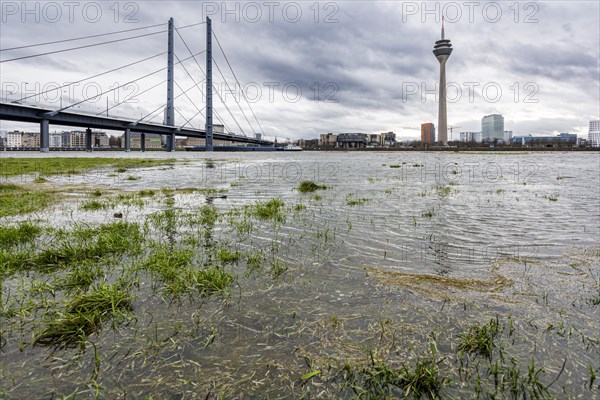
<point>442,51</point>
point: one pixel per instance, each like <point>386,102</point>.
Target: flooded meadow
<point>300,275</point>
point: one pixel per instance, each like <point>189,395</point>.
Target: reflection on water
<point>396,235</point>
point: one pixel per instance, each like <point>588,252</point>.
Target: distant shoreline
<point>468,149</point>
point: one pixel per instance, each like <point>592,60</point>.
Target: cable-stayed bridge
<point>65,115</point>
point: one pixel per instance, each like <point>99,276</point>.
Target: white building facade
<point>14,139</point>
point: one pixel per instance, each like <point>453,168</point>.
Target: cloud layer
<point>311,68</point>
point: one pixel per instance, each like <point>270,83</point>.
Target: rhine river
<point>392,263</point>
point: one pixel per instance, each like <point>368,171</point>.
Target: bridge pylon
<point>209,88</point>
<point>170,111</point>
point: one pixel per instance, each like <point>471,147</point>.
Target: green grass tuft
<point>310,186</point>
<point>23,233</point>
<point>479,339</point>
<point>271,209</point>
<point>84,315</point>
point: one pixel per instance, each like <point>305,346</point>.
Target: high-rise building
<point>507,136</point>
<point>594,133</point>
<point>492,127</point>
<point>442,51</point>
<point>470,137</point>
<point>428,133</point>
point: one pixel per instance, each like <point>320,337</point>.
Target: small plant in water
<point>93,206</point>
<point>479,339</point>
<point>429,213</point>
<point>310,186</point>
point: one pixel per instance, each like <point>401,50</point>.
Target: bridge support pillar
<point>88,140</point>
<point>127,140</point>
<point>44,136</point>
<point>170,111</point>
<point>143,142</point>
<point>170,142</point>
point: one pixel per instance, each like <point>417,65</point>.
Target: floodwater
<point>429,243</point>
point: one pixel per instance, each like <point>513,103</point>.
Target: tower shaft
<point>442,50</point>
<point>442,116</point>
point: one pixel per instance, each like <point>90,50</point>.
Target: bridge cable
<point>92,36</point>
<point>165,104</point>
<point>118,87</point>
<point>234,96</point>
<point>132,97</point>
<point>186,120</point>
<point>194,81</point>
<point>216,91</point>
<point>81,47</point>
<point>80,38</point>
<point>88,78</point>
<point>236,79</point>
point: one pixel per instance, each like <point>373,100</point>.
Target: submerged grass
<point>378,380</point>
<point>84,315</point>
<point>176,269</point>
<point>83,244</point>
<point>479,339</point>
<point>435,285</point>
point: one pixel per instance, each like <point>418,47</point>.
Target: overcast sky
<point>310,68</point>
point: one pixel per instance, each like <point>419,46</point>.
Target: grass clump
<point>227,257</point>
<point>80,278</point>
<point>271,209</point>
<point>39,179</point>
<point>479,339</point>
<point>210,280</point>
<point>93,205</point>
<point>132,178</point>
<point>14,235</point>
<point>84,315</point>
<point>310,186</point>
<point>356,201</point>
<point>379,381</point>
<point>91,244</point>
<point>15,199</point>
<point>176,270</point>
<point>147,193</point>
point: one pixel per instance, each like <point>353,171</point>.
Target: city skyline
<point>373,76</point>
